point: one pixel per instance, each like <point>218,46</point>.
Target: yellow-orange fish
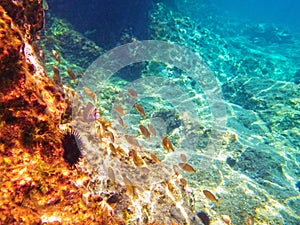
<point>129,185</point>
<point>37,37</point>
<point>72,75</point>
<point>170,187</point>
<point>110,135</point>
<point>176,170</point>
<point>140,109</point>
<point>250,221</point>
<point>132,93</point>
<point>144,131</point>
<point>120,150</point>
<point>226,219</point>
<point>166,143</point>
<point>132,140</point>
<point>152,130</point>
<point>56,76</point>
<point>42,55</point>
<point>119,109</point>
<point>56,55</point>
<point>112,149</point>
<point>121,122</point>
<point>210,196</point>
<point>182,181</point>
<point>136,159</point>
<point>111,174</point>
<point>90,94</point>
<point>154,157</point>
<point>187,167</point>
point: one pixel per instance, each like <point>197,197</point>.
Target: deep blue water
<point>266,11</point>
<point>105,21</point>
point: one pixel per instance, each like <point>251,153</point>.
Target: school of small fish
<point>91,113</point>
<point>56,72</point>
<point>147,132</point>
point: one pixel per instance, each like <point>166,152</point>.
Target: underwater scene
<point>120,112</point>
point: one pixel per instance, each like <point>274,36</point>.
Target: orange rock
<point>35,179</point>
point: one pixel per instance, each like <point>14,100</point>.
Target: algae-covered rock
<point>73,46</point>
<point>47,176</point>
<point>27,14</point>
<point>255,176</point>
<point>224,45</point>
<point>35,179</point>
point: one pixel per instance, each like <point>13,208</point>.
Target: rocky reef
<point>61,167</point>
<point>51,174</point>
<point>37,185</point>
<point>257,172</point>
<point>229,47</point>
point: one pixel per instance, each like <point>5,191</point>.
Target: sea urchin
<point>72,145</point>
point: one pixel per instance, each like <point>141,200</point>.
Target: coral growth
<point>37,185</point>
<point>27,14</point>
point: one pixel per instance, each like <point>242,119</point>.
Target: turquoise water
<point>268,11</point>
<point>240,108</point>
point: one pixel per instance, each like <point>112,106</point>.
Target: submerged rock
<point>35,180</point>
<point>51,174</point>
